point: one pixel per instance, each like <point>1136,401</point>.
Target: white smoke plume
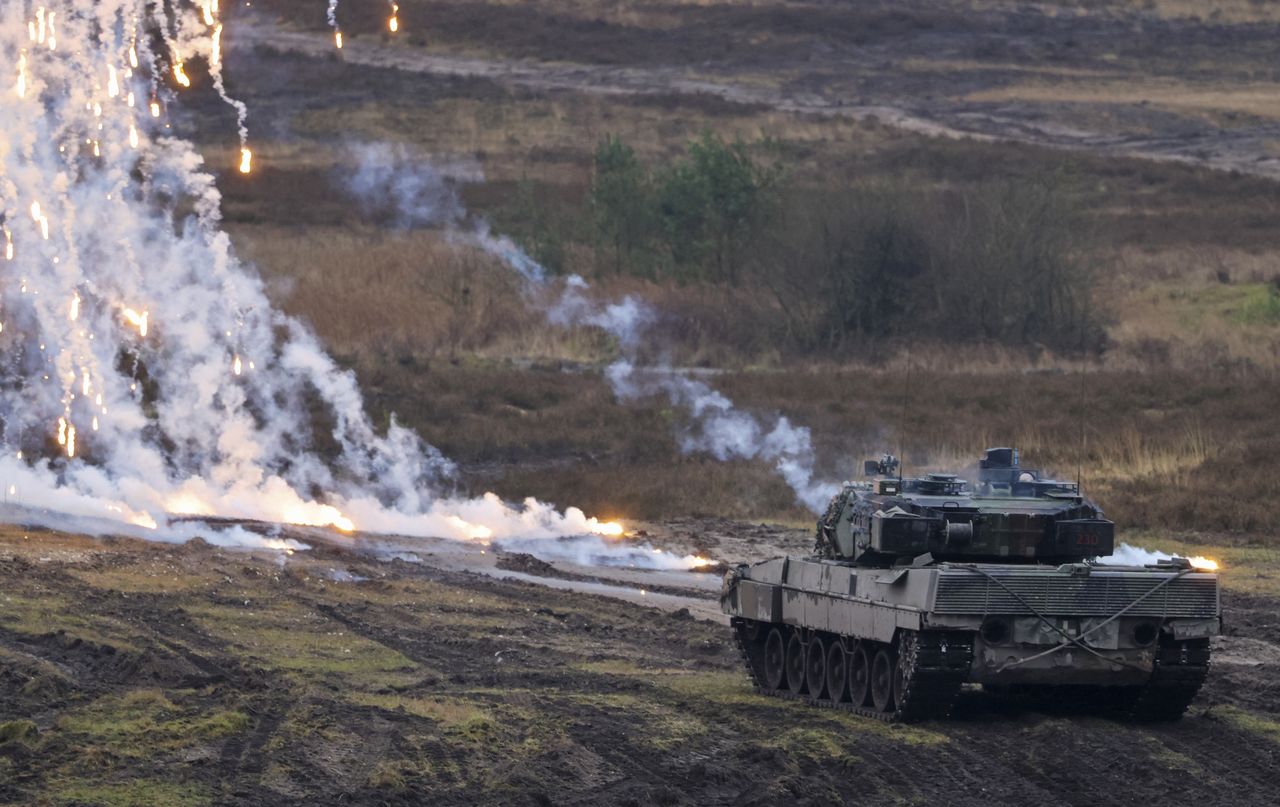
<point>143,371</point>
<point>1129,555</point>
<point>424,196</point>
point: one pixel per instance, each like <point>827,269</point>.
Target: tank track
<point>937,666</point>
<point>1180,671</point>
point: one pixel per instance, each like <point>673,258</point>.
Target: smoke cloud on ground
<point>144,373</point>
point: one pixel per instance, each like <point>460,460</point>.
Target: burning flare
<point>246,160</point>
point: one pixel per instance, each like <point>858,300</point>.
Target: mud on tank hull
<point>899,644</point>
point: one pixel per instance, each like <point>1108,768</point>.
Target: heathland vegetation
<point>819,266</point>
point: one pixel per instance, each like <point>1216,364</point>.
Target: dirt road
<point>1247,146</point>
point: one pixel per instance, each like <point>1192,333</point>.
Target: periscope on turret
<point>918,586</point>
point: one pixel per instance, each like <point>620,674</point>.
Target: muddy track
<point>1242,149</point>
<point>596,701</point>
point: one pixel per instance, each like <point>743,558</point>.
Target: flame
<point>187,504</point>
<point>155,109</point>
<point>208,13</point>
<point>468,530</point>
<point>337,39</point>
<point>133,136</point>
<point>611,529</point>
<point>113,81</point>
<point>181,75</point>
<point>133,56</point>
<point>143,520</point>
<point>236,366</point>
<point>317,515</point>
<point>74,313</point>
<point>393,24</point>
<point>1203,564</point>
<point>215,57</point>
<point>137,320</point>
<point>700,562</point>
<point>246,160</point>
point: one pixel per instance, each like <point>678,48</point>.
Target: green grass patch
<point>1250,722</point>
<point>1260,304</point>
<point>819,744</point>
<point>307,645</point>
<point>37,614</point>
<point>137,793</point>
<point>457,714</point>
<point>145,721</point>
<point>18,731</point>
<point>156,577</point>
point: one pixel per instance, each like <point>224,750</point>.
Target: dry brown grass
<point>1257,99</point>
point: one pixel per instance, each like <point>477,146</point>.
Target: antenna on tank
<point>1084,319</point>
<point>1081,452</point>
<point>902,419</point>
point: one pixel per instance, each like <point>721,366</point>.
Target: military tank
<point>919,586</point>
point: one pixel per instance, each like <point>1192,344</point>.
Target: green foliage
<point>694,218</point>
<point>709,203</point>
<point>1008,262</point>
<point>1262,305</point>
<point>622,203</point>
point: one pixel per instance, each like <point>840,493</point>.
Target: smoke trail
<point>425,195</point>
<point>143,372</point>
<point>1129,555</point>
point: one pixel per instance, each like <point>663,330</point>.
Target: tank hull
<point>1130,630</point>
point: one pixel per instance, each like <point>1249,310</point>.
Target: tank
<point>919,586</point>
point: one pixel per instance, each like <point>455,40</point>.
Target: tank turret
<point>1011,514</point>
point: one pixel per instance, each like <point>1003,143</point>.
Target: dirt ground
<point>138,673</point>
<point>1110,78</point>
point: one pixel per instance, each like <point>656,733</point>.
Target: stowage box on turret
<point>918,586</point>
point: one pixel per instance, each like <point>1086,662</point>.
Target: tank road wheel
<point>882,675</point>
<point>859,675</point>
<point>795,664</point>
<point>815,667</point>
<point>775,655</point>
<point>837,671</point>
